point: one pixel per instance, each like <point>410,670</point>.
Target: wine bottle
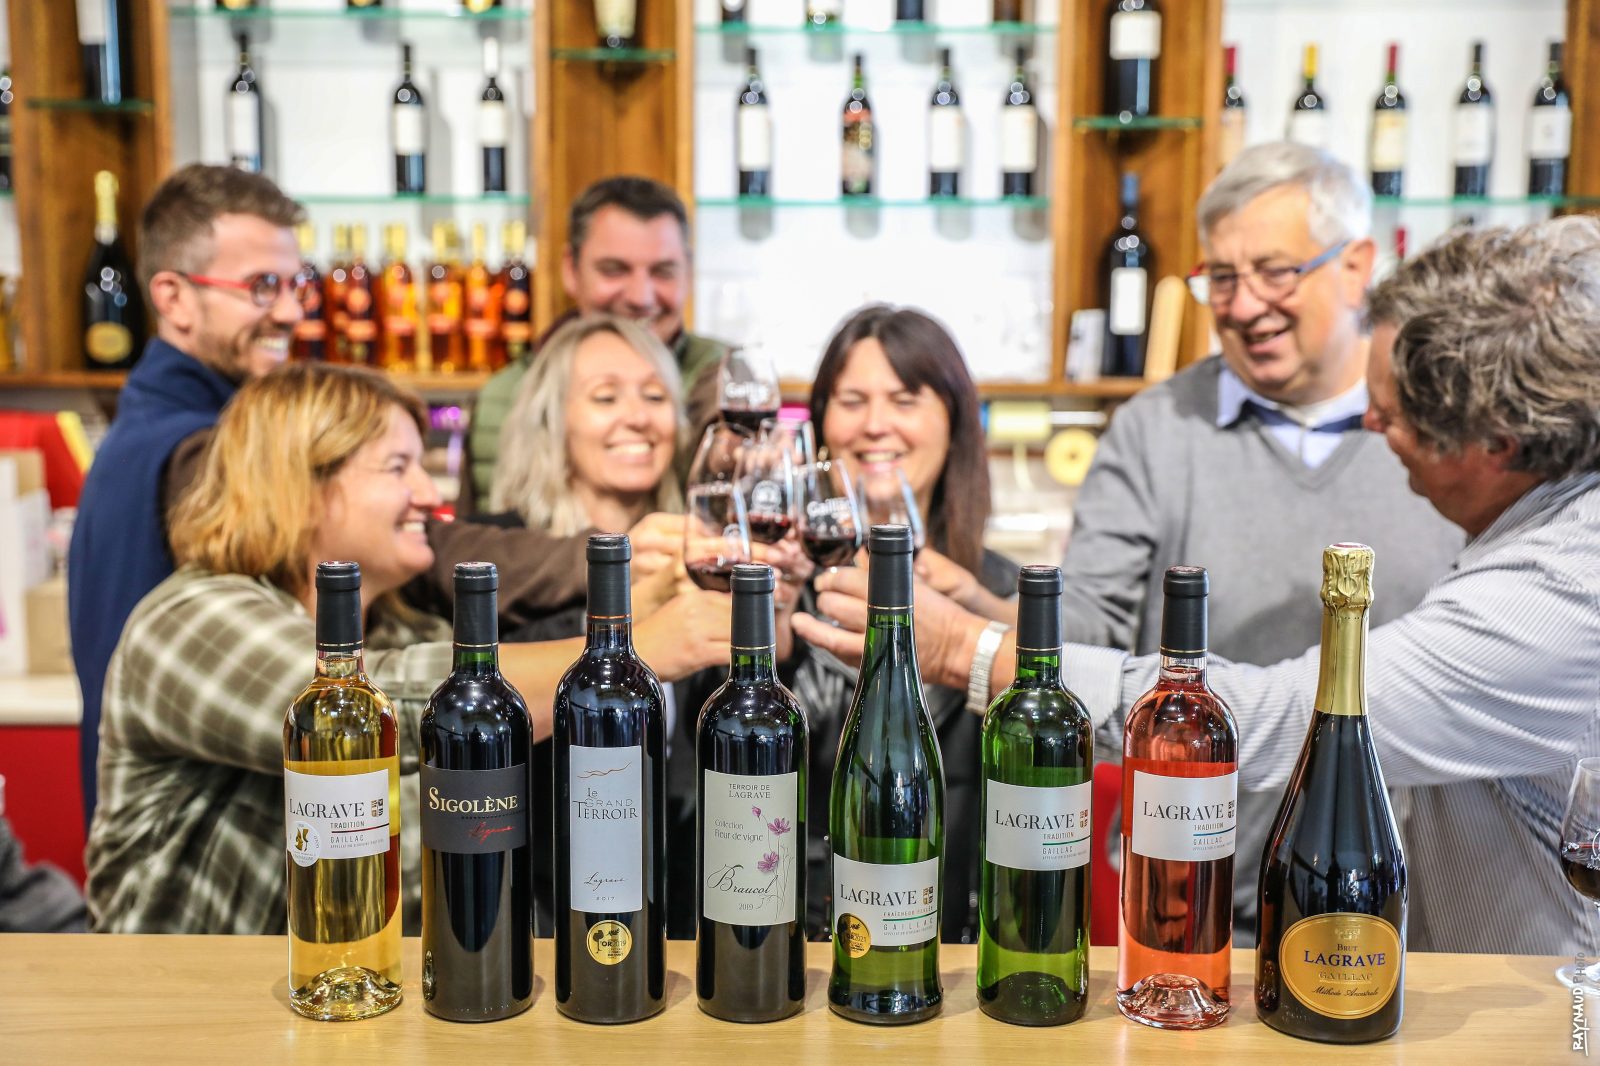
<point>401,311</point>
<point>1179,790</point>
<point>1019,133</point>
<point>1006,12</point>
<point>610,802</point>
<point>908,10</point>
<point>482,299</point>
<point>733,12</point>
<point>8,96</point>
<point>753,132</point>
<point>105,35</point>
<point>1550,131</point>
<point>1234,111</point>
<point>1133,49</point>
<point>821,13</point>
<point>113,306</point>
<point>1127,289</point>
<point>362,5</point>
<point>750,745</point>
<point>311,332</point>
<point>886,815</point>
<point>1308,119</point>
<point>478,7</point>
<point>617,22</point>
<point>447,342</point>
<point>1033,899</point>
<point>1474,130</point>
<point>494,120</point>
<point>244,113</point>
<point>236,5</point>
<point>1388,155</point>
<point>341,786</point>
<point>408,131</point>
<point>1331,932</point>
<point>860,140</point>
<point>334,284</point>
<point>361,314</point>
<point>947,133</point>
<point>477,836</point>
<point>516,288</point>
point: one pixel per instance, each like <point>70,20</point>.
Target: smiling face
<point>874,423</point>
<point>632,268</point>
<point>621,422</point>
<point>226,330</point>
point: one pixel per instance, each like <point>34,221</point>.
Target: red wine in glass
<point>712,575</point>
<point>769,528</point>
<point>828,551</point>
<point>749,420</point>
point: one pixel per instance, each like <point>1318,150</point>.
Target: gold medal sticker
<point>855,937</point>
<point>609,942</point>
<point>1341,965</point>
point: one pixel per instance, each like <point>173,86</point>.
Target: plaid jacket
<point>188,835</point>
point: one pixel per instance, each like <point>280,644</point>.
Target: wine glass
<point>716,534</point>
<point>830,524</point>
<point>766,481</point>
<point>748,391</point>
<point>1580,858</point>
<point>887,499</point>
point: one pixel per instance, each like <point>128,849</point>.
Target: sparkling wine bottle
<point>886,815</point>
<point>750,745</point>
<point>113,309</point>
<point>341,784</point>
<point>1033,901</point>
<point>1179,790</point>
<point>1330,961</point>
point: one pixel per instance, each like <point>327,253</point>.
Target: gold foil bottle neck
<point>1347,577</point>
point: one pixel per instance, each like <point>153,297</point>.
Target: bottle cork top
<point>1347,577</point>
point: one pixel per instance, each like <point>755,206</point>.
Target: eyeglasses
<point>264,290</point>
<point>1271,284</point>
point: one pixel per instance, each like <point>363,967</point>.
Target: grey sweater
<point>1169,487</point>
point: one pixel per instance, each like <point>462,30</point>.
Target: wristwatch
<point>983,666</point>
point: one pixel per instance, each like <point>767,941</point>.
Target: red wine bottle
<point>1550,131</point>
<point>1133,53</point>
<point>1019,134</point>
<point>494,120</point>
<point>858,165</point>
<point>1388,155</point>
<point>1127,289</point>
<point>244,113</point>
<point>753,129</point>
<point>1474,130</point>
<point>408,131</point>
<point>947,134</point>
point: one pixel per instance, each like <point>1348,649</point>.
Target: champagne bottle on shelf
<point>617,22</point>
<point>859,163</point>
<point>1388,153</point>
<point>105,37</point>
<point>908,10</point>
<point>113,306</point>
<point>886,815</point>
<point>1010,11</point>
<point>401,311</point>
<point>408,131</point>
<point>494,120</point>
<point>516,292</point>
<point>477,834</point>
<point>753,132</point>
<point>447,342</point>
<point>1474,130</point>
<point>1019,133</point>
<point>734,13</point>
<point>311,332</point>
<point>1550,131</point>
<point>1308,119</point>
<point>751,744</point>
<point>8,97</point>
<point>1331,934</point>
<point>947,133</point>
<point>1127,289</point>
<point>341,785</point>
<point>1133,50</point>
<point>1179,792</point>
<point>1033,900</point>
<point>482,299</point>
<point>244,113</point>
<point>1234,110</point>
<point>361,312</point>
<point>610,802</point>
<point>823,13</point>
<point>335,286</point>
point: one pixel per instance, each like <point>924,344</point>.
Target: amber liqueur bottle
<point>1331,938</point>
<point>482,299</point>
<point>360,303</point>
<point>516,294</point>
<point>400,312</point>
<point>446,341</point>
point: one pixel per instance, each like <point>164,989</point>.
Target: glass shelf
<point>422,199</point>
<point>376,14</point>
<point>1031,203</point>
<point>898,29</point>
<point>613,55</point>
<point>1467,203</point>
<point>6,194</point>
<point>126,107</point>
<point>1152,122</point>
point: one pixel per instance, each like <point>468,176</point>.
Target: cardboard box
<point>24,550</point>
<point>49,646</point>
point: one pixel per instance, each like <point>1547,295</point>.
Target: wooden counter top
<point>66,1000</point>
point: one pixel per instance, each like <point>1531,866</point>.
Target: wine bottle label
<point>856,164</point>
<point>107,342</point>
<point>474,812</point>
<point>1344,966</point>
<point>244,126</point>
<point>615,18</point>
<point>884,905</point>
<point>1388,141</point>
<point>1135,35</point>
<point>1127,312</point>
<point>92,21</point>
<point>1232,141</point>
<point>947,135</point>
<point>608,942</point>
<point>406,130</point>
<point>494,123</point>
<point>605,820</point>
<point>1031,828</point>
<point>1019,139</point>
<point>751,848</point>
<point>336,816</point>
<point>1474,135</point>
<point>755,137</point>
<point>1549,133</point>
<point>1185,819</point>
<point>734,6</point>
<point>1309,127</point>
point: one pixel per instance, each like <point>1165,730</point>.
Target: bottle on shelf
<point>516,292</point>
<point>1388,151</point>
<point>1474,130</point>
<point>947,133</point>
<point>617,22</point>
<point>1308,119</point>
<point>482,298</point>
<point>750,745</point>
<point>1234,111</point>
<point>1127,289</point>
<point>244,113</point>
<point>753,132</point>
<point>1332,919</point>
<point>859,164</point>
<point>311,332</point>
<point>733,12</point>
<point>1011,11</point>
<point>361,313</point>
<point>401,307</point>
<point>408,131</point>
<point>494,120</point>
<point>236,5</point>
<point>335,287</point>
<point>362,5</point>
<point>1033,896</point>
<point>821,13</point>
<point>610,802</point>
<point>887,832</point>
<point>478,7</point>
<point>1133,54</point>
<point>113,307</point>
<point>1019,133</point>
<point>1550,131</point>
<point>1179,795</point>
<point>8,96</point>
<point>341,784</point>
<point>447,342</point>
<point>908,10</point>
<point>476,781</point>
<point>105,36</point>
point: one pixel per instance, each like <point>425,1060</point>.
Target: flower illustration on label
<point>777,826</point>
<point>756,811</point>
<point>768,863</point>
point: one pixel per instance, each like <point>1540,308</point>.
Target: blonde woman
<point>311,462</point>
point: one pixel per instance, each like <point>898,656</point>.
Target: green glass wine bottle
<point>886,815</point>
<point>1033,901</point>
